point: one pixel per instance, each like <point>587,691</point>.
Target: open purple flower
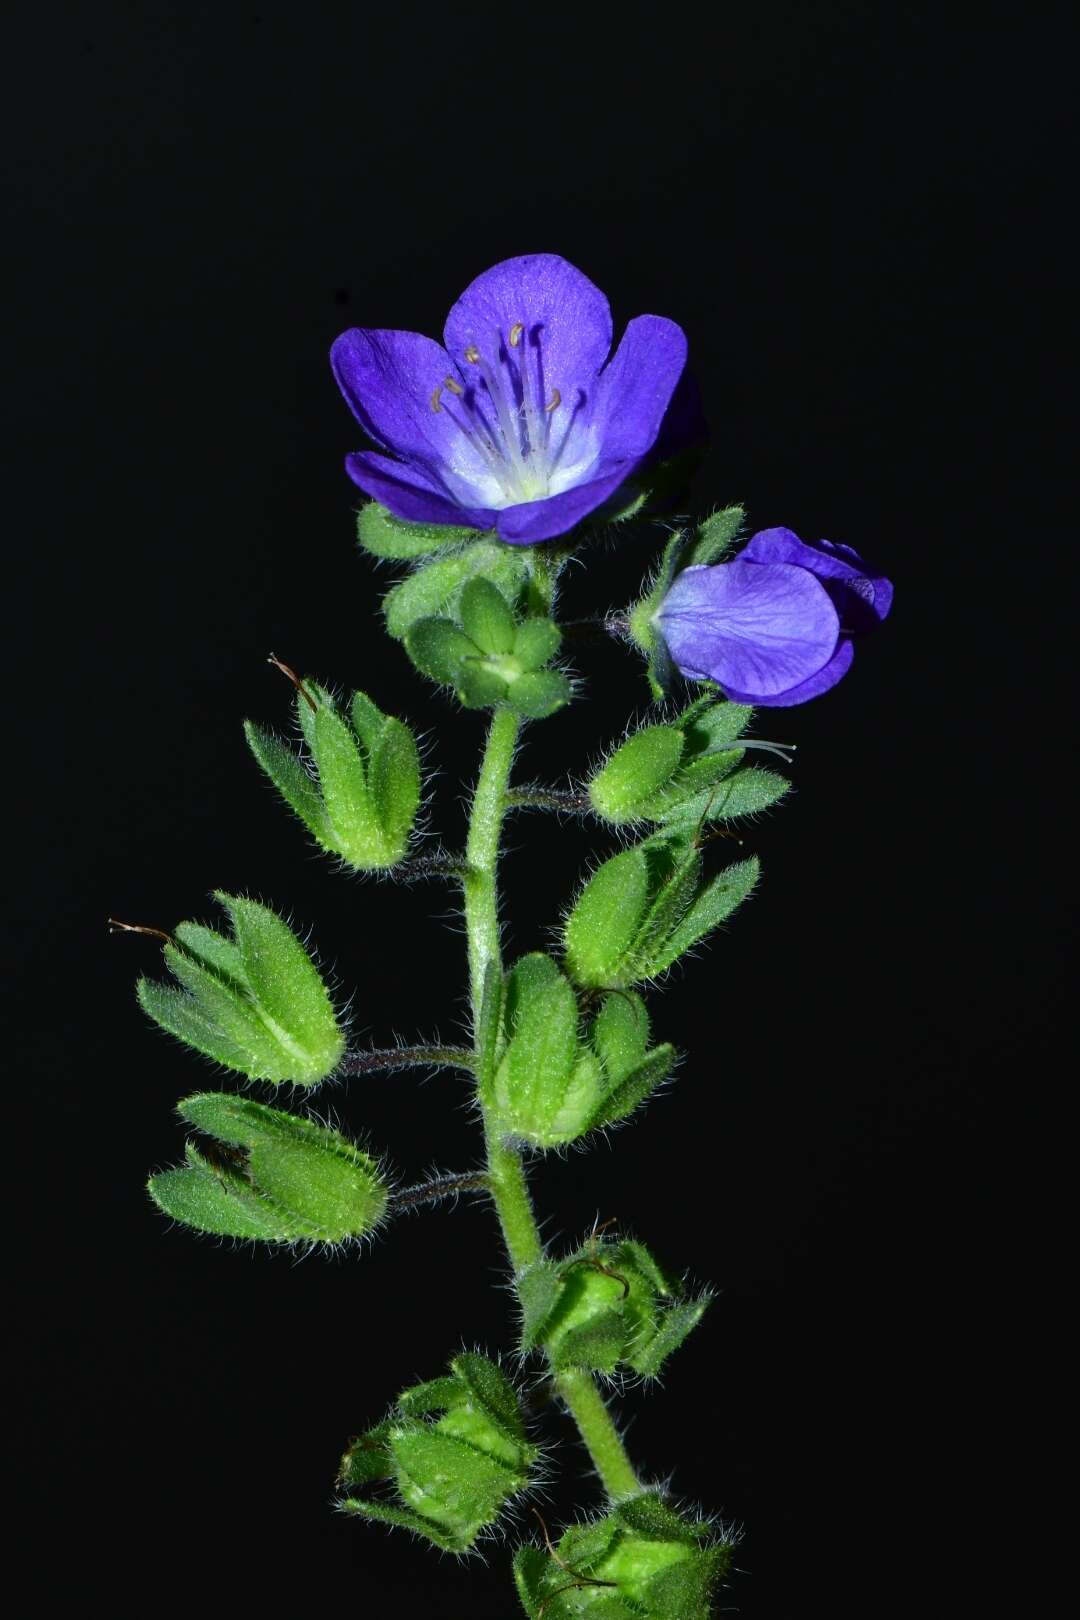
<point>775,626</point>
<point>521,423</point>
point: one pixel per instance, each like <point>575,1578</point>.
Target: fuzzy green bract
<point>455,1450</point>
<point>255,1003</point>
<point>361,797</point>
<point>489,656</point>
<point>284,1178</point>
<point>560,1077</point>
<point>641,1561</point>
<point>608,1305</point>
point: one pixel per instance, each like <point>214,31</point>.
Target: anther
<point>453,385</point>
<point>472,355</point>
<point>436,396</point>
<point>118,927</point>
<point>556,400</point>
<point>515,333</point>
<point>291,675</point>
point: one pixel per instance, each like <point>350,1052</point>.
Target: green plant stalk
<point>509,1189</point>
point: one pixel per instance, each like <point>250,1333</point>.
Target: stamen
<point>515,333</point>
<point>472,355</point>
<point>556,400</point>
<point>436,396</point>
<point>453,385</point>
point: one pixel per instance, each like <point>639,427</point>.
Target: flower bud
<point>607,1306</point>
<point>362,804</point>
<point>292,1181</point>
<point>652,1562</point>
<point>454,1472</point>
<point>255,1003</point>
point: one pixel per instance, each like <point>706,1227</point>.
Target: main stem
<point>509,1189</point>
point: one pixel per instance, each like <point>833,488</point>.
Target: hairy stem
<point>506,1174</point>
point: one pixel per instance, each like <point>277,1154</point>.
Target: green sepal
<point>384,535</point>
<point>676,1323</point>
<point>453,1473</point>
<point>536,1070</point>
<point>620,1034</point>
<point>606,919</point>
<point>363,804</point>
<point>638,1085</point>
<point>405,1519</point>
<point>536,641</point>
<point>435,588</point>
<point>286,987</point>
<point>709,725</point>
<point>440,650</point>
<point>635,773</point>
<point>743,793</point>
<point>539,693</point>
<point>538,1289</point>
<point>715,903</point>
<point>296,1180</point>
<point>292,781</point>
<point>654,1565</point>
<point>486,617</point>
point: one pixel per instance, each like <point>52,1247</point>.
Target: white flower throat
<point>516,445</point>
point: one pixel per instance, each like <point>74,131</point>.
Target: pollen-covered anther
<point>554,402</point>
<point>472,355</point>
<point>436,397</point>
<point>453,385</point>
<point>515,333</point>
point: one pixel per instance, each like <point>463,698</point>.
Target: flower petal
<point>562,311</point>
<point>834,670</point>
<point>758,628</point>
<point>389,380</point>
<point>861,598</point>
<point>410,493</point>
<point>636,386</point>
<point>532,521</point>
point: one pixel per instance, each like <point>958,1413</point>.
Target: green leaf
<point>290,994</point>
<point>290,778</point>
<point>642,765</point>
<point>535,643</point>
<point>606,919</point>
<point>384,535</point>
<point>434,589</point>
<point>486,617</point>
<point>539,694</point>
<point>439,649</point>
<point>717,901</point>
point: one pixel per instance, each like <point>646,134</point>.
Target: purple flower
<point>521,423</point>
<point>775,626</point>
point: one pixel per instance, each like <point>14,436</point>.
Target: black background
<point>844,205</point>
